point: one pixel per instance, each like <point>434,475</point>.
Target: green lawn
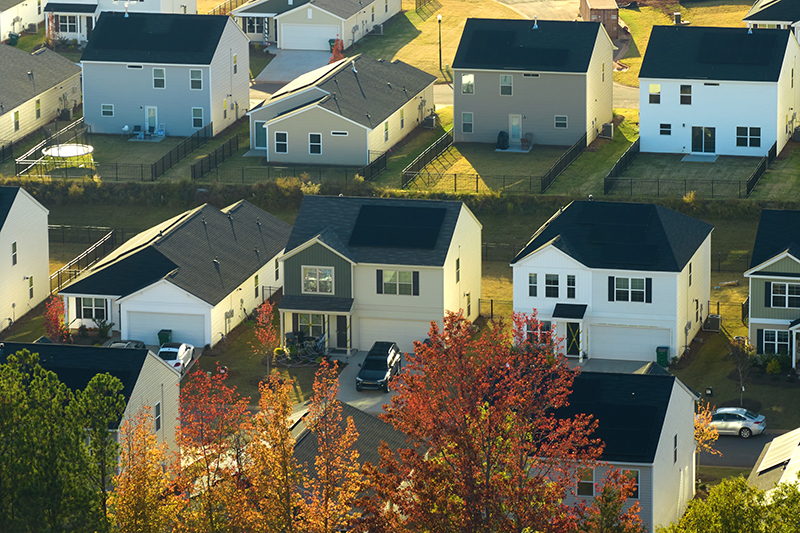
<point>182,170</point>
<point>259,59</point>
<point>782,180</point>
<point>712,475</point>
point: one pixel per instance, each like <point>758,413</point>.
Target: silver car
<point>738,421</point>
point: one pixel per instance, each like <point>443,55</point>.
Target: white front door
<point>514,129</point>
<point>150,118</point>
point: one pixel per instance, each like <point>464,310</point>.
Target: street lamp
<point>439,18</point>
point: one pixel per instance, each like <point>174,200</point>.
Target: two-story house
<point>168,74</point>
<point>692,77</point>
<point>774,278</point>
<point>24,254</point>
<point>17,16</point>
<point>360,270</point>
<point>546,81</point>
<point>617,280</point>
<point>780,14</point>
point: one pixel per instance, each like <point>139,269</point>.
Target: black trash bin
<point>332,44</point>
<point>164,336</point>
<point>502,141</point>
<point>662,356</point>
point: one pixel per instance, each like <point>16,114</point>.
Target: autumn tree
<point>743,355</point>
<point>54,324</point>
<point>337,54</point>
<point>705,435</point>
<point>608,511</point>
<point>487,452</point>
<point>266,334</point>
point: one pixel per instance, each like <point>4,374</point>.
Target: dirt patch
<point>231,338</point>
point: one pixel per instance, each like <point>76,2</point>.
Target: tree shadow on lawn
<point>397,33</point>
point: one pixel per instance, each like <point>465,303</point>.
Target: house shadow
<point>397,33</point>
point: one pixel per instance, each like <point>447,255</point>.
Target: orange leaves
<point>705,435</point>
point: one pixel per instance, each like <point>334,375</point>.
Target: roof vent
<point>389,84</point>
<point>535,23</point>
<point>230,217</point>
<point>354,66</point>
<point>258,221</point>
<point>204,220</point>
<point>160,233</point>
<point>216,261</point>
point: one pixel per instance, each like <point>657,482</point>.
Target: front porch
<point>70,22</point>
<point>318,317</point>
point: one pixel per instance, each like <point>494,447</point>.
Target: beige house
<point>347,113</point>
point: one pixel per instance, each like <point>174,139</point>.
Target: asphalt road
<point>736,451</point>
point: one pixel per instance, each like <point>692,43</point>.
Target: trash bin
<point>662,356</point>
<point>332,44</point>
<point>502,141</point>
<point>13,38</point>
<point>165,335</point>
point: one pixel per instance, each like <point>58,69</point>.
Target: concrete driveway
<point>289,64</point>
<point>369,401</point>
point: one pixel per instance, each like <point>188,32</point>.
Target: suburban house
<point>647,424</point>
<point>779,462</point>
<point>360,270</point>
<point>17,16</point>
<point>34,88</point>
<point>541,82</point>
<point>165,74</point>
<point>76,20</point>
<point>605,12</point>
<point>148,381</point>
<point>24,254</point>
<point>774,275</point>
<point>780,14</point>
<point>312,25</point>
<point>617,280</point>
<point>198,274</point>
<point>346,113</point>
<point>692,76</point>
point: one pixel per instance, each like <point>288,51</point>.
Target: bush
<point>774,368</point>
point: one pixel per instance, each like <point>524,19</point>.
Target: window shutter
<point>105,309</point>
<point>415,283</point>
<point>295,323</point>
<point>610,288</point>
<point>244,24</point>
<point>759,341</point>
<point>767,294</point>
<point>648,290</point>
<point>380,281</point>
<point>78,308</point>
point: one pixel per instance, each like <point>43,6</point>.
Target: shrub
<point>83,331</point>
<point>774,368</point>
<point>103,327</point>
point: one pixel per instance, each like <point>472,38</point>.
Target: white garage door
<point>185,328</point>
<point>403,332</point>
<point>630,344</point>
<point>307,36</point>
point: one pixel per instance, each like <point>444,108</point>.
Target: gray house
<point>542,82</point>
<point>165,73</point>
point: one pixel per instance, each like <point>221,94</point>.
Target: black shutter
<point>380,281</point>
<point>648,290</point>
<point>105,310</point>
<point>767,294</point>
<point>295,323</point>
<point>610,288</point>
<point>759,341</point>
<point>78,308</point>
<point>244,24</point>
<point>415,284</point>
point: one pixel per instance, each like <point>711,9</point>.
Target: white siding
<point>417,108</point>
<point>299,17</point>
<point>225,82</point>
<point>157,383</point>
<point>599,86</point>
<point>17,17</point>
<point>699,292</point>
<point>788,95</point>
<point>51,102</point>
<point>466,245</point>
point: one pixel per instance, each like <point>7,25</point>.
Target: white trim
<point>202,117</point>
<point>316,144</point>
<point>771,261</point>
<point>318,267</point>
<point>192,79</point>
<point>102,111</point>
<point>316,106</point>
<point>308,5</point>
<point>164,69</point>
<point>275,143</point>
<point>309,243</point>
<point>582,73</point>
<point>165,282</point>
<point>770,321</point>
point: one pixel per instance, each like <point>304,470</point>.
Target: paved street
<point>738,452</point>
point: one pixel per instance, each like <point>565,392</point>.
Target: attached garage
<point>627,343</point>
<point>403,332</point>
<point>307,36</point>
<point>185,328</point>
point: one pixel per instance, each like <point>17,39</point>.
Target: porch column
<point>283,334</point>
<point>794,348</point>
<point>349,330</point>
<point>66,310</point>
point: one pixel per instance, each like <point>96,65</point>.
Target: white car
<point>177,354</point>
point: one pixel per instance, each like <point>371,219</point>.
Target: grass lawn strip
<point>713,475</point>
<point>782,180</point>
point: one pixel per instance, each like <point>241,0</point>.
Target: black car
<point>380,366</point>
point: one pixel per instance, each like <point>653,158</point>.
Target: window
<point>603,73</point>
<point>281,142</point>
<point>157,415</point>
<point>666,129</point>
<point>39,8</point>
<point>318,280</point>
<point>94,308</point>
<point>311,325</point>
<point>530,75</point>
<point>255,25</point>
<point>315,143</point>
<point>466,122</point>
<point>38,108</point>
<point>134,66</point>
<point>385,6</point>
<point>748,136</point>
<point>235,63</point>
<point>310,13</point>
<point>225,108</point>
<point>458,269</point>
<point>277,271</point>
<point>402,118</point>
<point>196,79</point>
<point>551,285</point>
<point>506,84</point>
<point>255,282</point>
<point>373,14</point>
<point>468,84</point>
<point>68,24</point>
<point>13,253</point>
<point>686,95</point>
<point>197,117</point>
<point>386,131</point>
<point>776,341</point>
<point>629,289</point>
<point>107,110</point>
<point>16,120</point>
<point>398,282</point>
<point>634,475</point>
<point>540,332</point>
<point>586,482</point>
<point>560,121</point>
<point>30,288</point>
<point>785,295</point>
<point>792,87</point>
<point>159,78</point>
<point>533,286</point>
<point>655,93</point>
<point>675,449</point>
<point>690,274</point>
<point>339,134</point>
<point>469,304</point>
<point>570,286</point>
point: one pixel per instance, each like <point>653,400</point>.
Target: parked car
<point>382,363</point>
<point>139,345</point>
<point>738,421</point>
<point>177,354</point>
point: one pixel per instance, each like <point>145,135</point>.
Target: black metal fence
<point>215,158</point>
<point>375,167</point>
<point>622,163</point>
<point>469,182</point>
<point>88,234</point>
<point>250,175</point>
<point>491,308</point>
<point>432,152</point>
<point>499,251</point>
<point>226,7</point>
<point>6,150</point>
<point>563,162</point>
<point>709,188</point>
<point>94,253</point>
<point>186,147</point>
<point>762,167</point>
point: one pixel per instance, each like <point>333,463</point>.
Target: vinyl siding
<point>600,86</point>
<point>788,96</point>
<point>225,82</point>
<point>466,245</point>
<point>757,298</point>
<point>27,12</point>
<point>299,16</point>
<point>318,255</point>
<point>157,383</point>
<point>700,291</point>
<point>417,108</point>
<point>427,306</point>
<point>361,23</point>
<point>51,103</point>
<point>786,264</point>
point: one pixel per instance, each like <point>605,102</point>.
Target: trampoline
<point>68,151</point>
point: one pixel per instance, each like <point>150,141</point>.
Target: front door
<point>514,128</point>
<point>150,118</point>
<point>704,139</point>
<point>573,338</point>
<point>341,331</point>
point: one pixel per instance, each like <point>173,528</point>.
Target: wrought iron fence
<point>6,150</point>
<point>186,147</point>
<point>710,188</point>
<point>215,158</point>
<point>375,166</point>
<point>432,152</point>
<point>621,164</point>
<point>93,254</point>
<point>491,308</point>
<point>250,175</point>
<point>563,162</point>
<point>225,8</point>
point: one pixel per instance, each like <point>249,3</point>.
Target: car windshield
<point>375,363</point>
<point>751,414</point>
<point>168,355</point>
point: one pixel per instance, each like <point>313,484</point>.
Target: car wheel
<point>745,433</point>
<point>358,388</point>
<point>386,387</point>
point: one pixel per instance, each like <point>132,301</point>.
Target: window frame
<point>340,133</point>
<point>311,324</point>
<point>398,283</point>
<point>193,80</point>
<point>558,120</point>
<point>386,131</point>
<point>30,287</point>
<point>194,118</point>
<point>16,120</point>
<point>93,308</point>
<point>789,293</point>
<point>510,85</point>
<point>235,63</point>
<point>464,122</point>
<point>38,106</point>
<point>318,279</point>
<point>65,25</point>
<point>157,416</point>
<point>585,480</point>
<point>284,142</point>
<point>654,91</point>
<point>14,253</point>
<point>533,285</point>
<point>750,137</point>
<point>255,283</point>
<point>665,129</point>
<point>458,269</point>
<point>551,285</point>
<point>571,286</point>
<point>312,144</point>
<point>629,473</point>
<point>104,110</point>
<point>542,335</point>
<point>626,293</point>
<point>162,78</point>
<point>253,24</point>
<point>686,95</point>
<point>777,343</point>
<point>402,118</point>
<point>469,86</point>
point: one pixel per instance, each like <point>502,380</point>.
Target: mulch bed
<point>689,356</point>
<point>759,377</point>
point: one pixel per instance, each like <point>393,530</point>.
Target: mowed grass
<point>63,253</point>
<point>259,59</point>
<point>713,475</point>
<point>119,149</point>
<point>782,180</point>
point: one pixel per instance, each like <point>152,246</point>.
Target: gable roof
<point>49,69</point>
<point>630,410</point>
<point>334,220</point>
<point>260,7</point>
<point>774,11</point>
<point>552,46</point>
<point>628,236</point>
<point>364,90</point>
<point>778,232</point>
<point>206,251</point>
<point>707,53</point>
<point>342,8</point>
<point>779,462</point>
<point>8,4</point>
<point>7,196</point>
<point>155,38</point>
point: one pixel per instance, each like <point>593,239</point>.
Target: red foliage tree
<point>608,511</point>
<point>338,53</point>
<point>54,324</point>
<point>266,334</point>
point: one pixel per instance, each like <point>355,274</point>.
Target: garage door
<point>403,332</point>
<point>307,36</point>
<point>185,328</point>
<point>631,344</point>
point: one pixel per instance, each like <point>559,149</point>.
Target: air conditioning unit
<point>607,131</point>
<point>31,28</point>
<point>429,122</point>
<point>712,323</point>
<point>377,29</point>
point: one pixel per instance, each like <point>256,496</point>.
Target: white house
<point>174,74</point>
<point>779,462</point>
<point>360,270</point>
<point>781,14</point>
<point>617,280</point>
<point>718,91</point>
<point>24,254</point>
<point>198,274</point>
<point>17,16</point>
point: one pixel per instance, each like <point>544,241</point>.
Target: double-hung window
<point>197,117</point>
<point>468,84</point>
<point>533,287</point>
<point>281,142</point>
<point>570,286</point>
<point>16,120</point>
<point>30,287</point>
<point>317,280</point>
<point>386,131</point>
<point>634,475</point>
<point>539,332</point>
<point>629,289</point>
<point>586,482</point>
<point>402,118</point>
<point>776,341</point>
<point>551,285</point>
<point>157,416</point>
<point>94,308</point>
<point>196,79</point>
<point>315,143</point>
<point>159,78</point>
<point>786,295</point>
<point>398,282</point>
<point>311,325</point>
<point>560,121</point>
<point>458,269</point>
<point>506,84</point>
<point>255,284</point>
<point>655,93</point>
<point>466,122</point>
<point>13,253</point>
<point>686,95</point>
<point>235,63</point>
<point>746,136</point>
<point>68,24</point>
<point>38,108</point>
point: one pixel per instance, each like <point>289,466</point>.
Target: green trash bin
<point>662,356</point>
<point>332,43</point>
<point>13,38</point>
<point>164,336</point>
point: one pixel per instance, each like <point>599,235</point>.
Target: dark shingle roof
<point>298,302</point>
<point>268,6</point>
<point>342,8</point>
<point>774,11</point>
<point>69,8</point>
<point>7,196</point>
<point>629,236</point>
<point>778,232</point>
<point>704,53</point>
<point>630,410</point>
<point>333,219</point>
<point>554,46</point>
<point>8,4</point>
<point>49,69</point>
<point>206,251</point>
<point>155,38</point>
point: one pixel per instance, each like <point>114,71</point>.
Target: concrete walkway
<point>289,64</point>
